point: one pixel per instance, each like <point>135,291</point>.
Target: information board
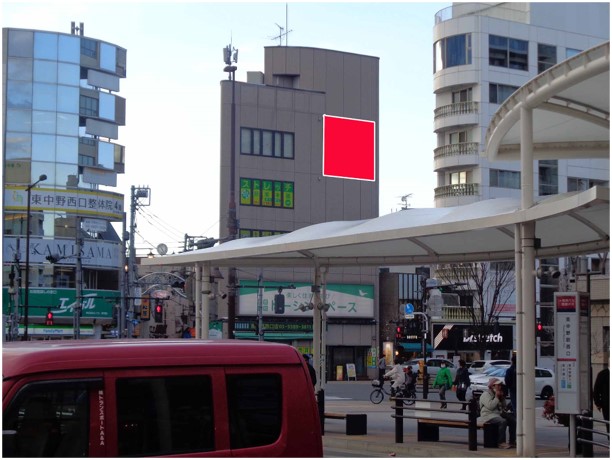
<point>572,343</point>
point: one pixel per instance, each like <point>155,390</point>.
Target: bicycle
<point>379,392</point>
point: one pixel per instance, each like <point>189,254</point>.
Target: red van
<point>187,398</point>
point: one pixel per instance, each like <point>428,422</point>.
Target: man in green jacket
<point>444,381</point>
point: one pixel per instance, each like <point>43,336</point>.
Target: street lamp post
<point>26,304</point>
<point>230,55</point>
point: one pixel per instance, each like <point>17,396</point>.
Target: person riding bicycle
<point>410,381</point>
<point>397,376</point>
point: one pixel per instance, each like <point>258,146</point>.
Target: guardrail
<point>585,432</point>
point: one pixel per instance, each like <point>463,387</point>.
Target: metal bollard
<point>472,427</point>
<point>321,404</point>
<point>587,435</point>
<point>399,421</point>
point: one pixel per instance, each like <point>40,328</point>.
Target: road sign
<point>408,311</point>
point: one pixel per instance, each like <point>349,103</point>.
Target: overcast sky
<point>175,64</point>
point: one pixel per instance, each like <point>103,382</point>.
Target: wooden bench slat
<point>451,423</point>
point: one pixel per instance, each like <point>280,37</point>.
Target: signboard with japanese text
<point>572,344</point>
<point>96,304</point>
<point>94,253</point>
<point>92,203</point>
<point>345,300</point>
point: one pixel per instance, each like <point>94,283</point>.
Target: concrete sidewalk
<point>551,441</point>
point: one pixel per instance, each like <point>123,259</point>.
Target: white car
<point>544,381</point>
<point>481,365</point>
<point>433,366</point>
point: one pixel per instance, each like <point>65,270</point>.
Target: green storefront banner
<point>345,300</point>
<point>96,304</point>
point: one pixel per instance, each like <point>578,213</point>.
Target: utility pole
<point>78,281</point>
<point>230,56</point>
<point>137,193</point>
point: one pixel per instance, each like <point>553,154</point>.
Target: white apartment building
<point>482,53</point>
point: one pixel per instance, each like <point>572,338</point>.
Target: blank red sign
<point>349,148</point>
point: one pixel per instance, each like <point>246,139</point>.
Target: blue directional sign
<point>409,311</point>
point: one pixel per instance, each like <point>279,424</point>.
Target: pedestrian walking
<point>313,373</point>
<point>462,382</point>
<point>601,394</point>
<point>510,379</point>
<point>443,381</point>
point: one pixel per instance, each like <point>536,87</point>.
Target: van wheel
<point>547,392</point>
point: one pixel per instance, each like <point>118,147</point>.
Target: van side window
<point>164,415</point>
<point>48,420</point>
<point>255,409</point>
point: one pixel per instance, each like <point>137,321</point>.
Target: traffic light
<point>398,333</point>
<point>49,318</point>
<point>279,304</point>
<point>539,328</point>
<point>159,312</point>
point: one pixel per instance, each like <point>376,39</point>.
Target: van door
<point>52,418</point>
<point>167,411</point>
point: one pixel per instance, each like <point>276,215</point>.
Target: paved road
<point>353,397</point>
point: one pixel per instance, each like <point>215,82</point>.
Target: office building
<point>280,187</point>
<point>61,116</point>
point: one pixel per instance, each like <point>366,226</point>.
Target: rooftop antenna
<point>283,31</point>
<point>404,198</point>
<point>74,29</point>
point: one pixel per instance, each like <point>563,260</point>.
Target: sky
<point>172,91</point>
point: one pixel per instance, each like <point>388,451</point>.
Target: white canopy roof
<point>571,111</point>
<point>574,223</point>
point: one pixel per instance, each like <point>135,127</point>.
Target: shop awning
<point>279,336</point>
<point>415,347</point>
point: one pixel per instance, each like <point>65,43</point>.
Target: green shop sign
<point>96,304</point>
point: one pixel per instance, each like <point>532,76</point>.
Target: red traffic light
<point>158,308</point>
<point>49,318</point>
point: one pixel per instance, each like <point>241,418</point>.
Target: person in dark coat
<point>462,382</point>
<point>313,373</point>
<point>510,381</point>
<point>601,394</point>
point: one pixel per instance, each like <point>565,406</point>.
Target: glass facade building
<point>62,113</point>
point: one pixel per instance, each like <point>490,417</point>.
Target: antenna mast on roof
<point>283,31</point>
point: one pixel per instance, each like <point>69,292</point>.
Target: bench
<point>429,430</point>
<point>356,424</point>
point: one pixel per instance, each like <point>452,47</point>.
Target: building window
<point>547,57</point>
<point>548,172</point>
<point>508,52</point>
<point>458,138</point>
<point>576,184</point>
<point>255,233</point>
<point>499,93</point>
<point>266,193</point>
<point>505,179</point>
<point>459,177</point>
<point>89,48</point>
<point>88,106</point>
<point>571,52</point>
<point>464,95</point>
<point>275,144</point>
<point>452,51</point>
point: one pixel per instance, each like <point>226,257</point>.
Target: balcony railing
<point>458,313</point>
<point>462,148</point>
<point>456,190</point>
<point>458,108</point>
<point>516,13</point>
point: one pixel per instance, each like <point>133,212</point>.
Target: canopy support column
<point>527,344</point>
<point>198,299</point>
<point>205,300</point>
